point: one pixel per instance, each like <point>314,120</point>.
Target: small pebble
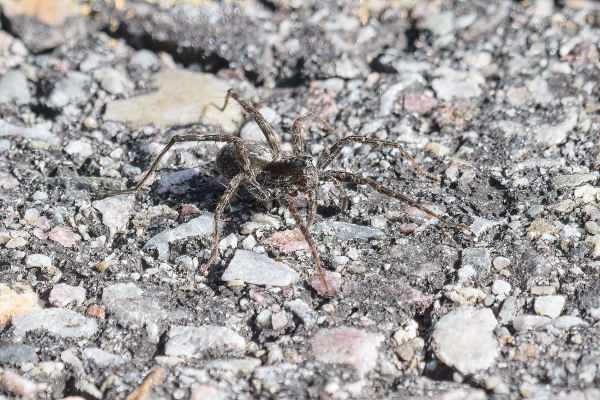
<point>279,320</point>
<point>334,283</point>
<point>550,306</point>
<point>501,262</point>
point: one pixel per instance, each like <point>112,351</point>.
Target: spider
<point>268,175</point>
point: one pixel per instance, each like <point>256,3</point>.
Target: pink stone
<point>189,209</point>
<point>279,320</point>
<point>43,223</point>
<point>116,211</point>
<point>62,295</point>
<point>419,103</point>
<point>406,294</point>
<point>287,241</point>
<point>347,345</point>
<point>334,283</point>
<point>408,228</point>
<point>64,235</point>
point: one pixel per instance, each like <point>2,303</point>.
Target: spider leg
<point>342,196</point>
<point>223,201</point>
<point>174,140</point>
<point>335,150</point>
<point>312,209</point>
<point>307,235</point>
<point>297,129</point>
<point>351,177</point>
<point>258,118</point>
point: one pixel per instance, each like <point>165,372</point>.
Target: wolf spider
<point>268,175</point>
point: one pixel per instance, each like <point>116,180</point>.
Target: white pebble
<point>551,306</point>
<point>501,287</point>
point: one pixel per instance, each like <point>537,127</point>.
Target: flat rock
<point>204,341</point>
<point>563,181</point>
<point>16,353</point>
<point>38,132</point>
<point>62,295</point>
<point>116,211</point>
<point>60,321</point>
<point>464,339</point>
<point>447,90</point>
<point>482,225</point>
<point>553,134</point>
<point>477,258</point>
<point>258,269</point>
<point>347,345</point>
<point>200,226</point>
<point>64,235</point>
<point>346,231</point>
<point>529,322</point>
<point>102,358</point>
<point>181,98</point>
<point>14,88</point>
<point>79,148</point>
<point>242,366</point>
<point>550,306</point>
<point>17,300</point>
<point>44,25</point>
<point>287,241</point>
<point>127,303</point>
<point>74,88</point>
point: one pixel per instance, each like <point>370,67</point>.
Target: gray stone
<point>566,322</point>
<point>129,306</point>
<point>448,90</point>
<point>112,80</point>
<point>390,96</point>
<point>37,132</point>
<point>144,59</point>
<point>346,231</point>
<point>16,353</point>
<point>302,311</point>
<point>204,341</point>
<point>200,226</point>
<point>563,181</point>
<point>481,225</point>
<point>439,24</point>
<point>258,269</point>
<point>464,339</point>
<point>38,261</point>
<point>60,321</point>
<point>13,88</point>
<point>79,148</point>
<point>552,134</point>
<point>74,88</point>
<point>534,211</point>
<point>102,358</point>
<point>509,309</point>
<point>477,258</point>
<point>529,322</point>
<point>236,365</point>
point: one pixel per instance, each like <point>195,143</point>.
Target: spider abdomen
<point>259,155</point>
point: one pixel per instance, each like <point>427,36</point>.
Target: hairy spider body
<point>268,175</point>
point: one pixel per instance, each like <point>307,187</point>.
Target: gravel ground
<point>102,297</point>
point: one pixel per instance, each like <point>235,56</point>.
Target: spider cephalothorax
<point>268,175</point>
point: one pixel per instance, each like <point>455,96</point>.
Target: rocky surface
<point>102,297</point>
